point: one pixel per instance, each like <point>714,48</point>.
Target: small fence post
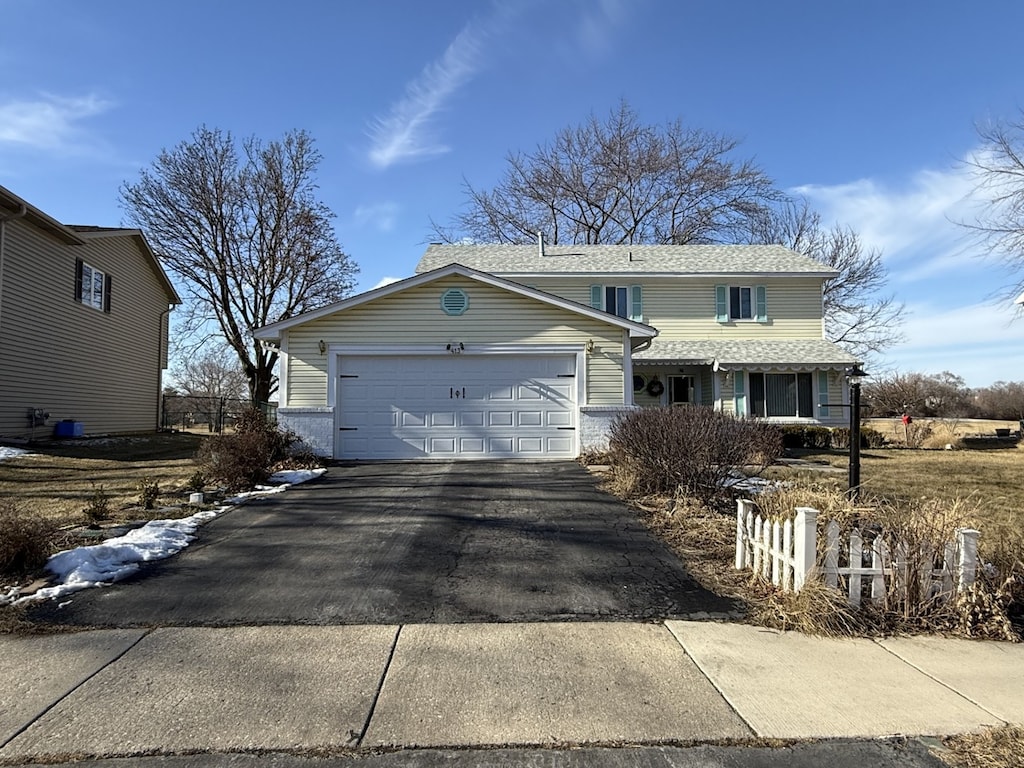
<point>743,508</point>
<point>805,534</point>
<point>967,565</point>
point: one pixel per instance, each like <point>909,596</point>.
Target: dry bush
<point>687,450</point>
<point>817,609</point>
<point>781,501</point>
<point>26,540</point>
<point>1001,747</point>
<point>246,457</point>
<point>704,538</point>
<point>941,434</point>
<point>922,528</point>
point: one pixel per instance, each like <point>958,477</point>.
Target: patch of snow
<point>287,478</point>
<point>118,557</point>
<point>296,476</point>
<point>740,482</point>
<point>9,453</point>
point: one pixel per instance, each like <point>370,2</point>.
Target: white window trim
<point>91,298</point>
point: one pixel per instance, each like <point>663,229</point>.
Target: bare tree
<point>999,185</point>
<point>943,395</point>
<point>214,373</point>
<point>1002,400</point>
<point>618,182</point>
<point>246,235</point>
<point>857,315</point>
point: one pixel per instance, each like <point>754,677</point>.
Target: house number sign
<point>454,393</point>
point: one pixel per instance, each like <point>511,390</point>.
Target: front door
<point>680,390</point>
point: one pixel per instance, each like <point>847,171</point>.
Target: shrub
<point>869,438</point>
<point>196,481</point>
<point>98,508</point>
<point>245,458</point>
<point>149,492</point>
<point>687,450</point>
<point>793,436</point>
<point>25,540</point>
<point>800,436</point>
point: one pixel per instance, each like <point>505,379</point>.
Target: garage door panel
<point>406,407</point>
<point>530,418</point>
<point>471,418</point>
<point>408,419</point>
<point>499,418</point>
<point>441,419</point>
<point>554,419</point>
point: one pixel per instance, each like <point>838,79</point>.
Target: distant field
<point>895,432</point>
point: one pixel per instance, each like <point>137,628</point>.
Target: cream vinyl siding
<point>70,359</point>
<point>684,308</point>
<point>414,317</point>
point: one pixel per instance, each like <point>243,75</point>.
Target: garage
<point>455,406</point>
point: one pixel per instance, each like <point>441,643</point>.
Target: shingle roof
<point>625,259</point>
<point>747,352</point>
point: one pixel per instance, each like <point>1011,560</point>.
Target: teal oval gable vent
<point>454,301</point>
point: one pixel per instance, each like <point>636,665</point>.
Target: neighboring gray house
<point>83,325</point>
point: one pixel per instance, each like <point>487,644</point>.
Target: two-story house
<point>83,325</point>
<point>495,351</point>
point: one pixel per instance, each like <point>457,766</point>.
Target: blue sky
<point>867,108</point>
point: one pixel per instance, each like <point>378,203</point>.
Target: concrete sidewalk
<point>171,690</point>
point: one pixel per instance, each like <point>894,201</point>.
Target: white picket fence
<point>786,553</point>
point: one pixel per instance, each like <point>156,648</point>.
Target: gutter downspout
<point>164,341</point>
<point>22,210</point>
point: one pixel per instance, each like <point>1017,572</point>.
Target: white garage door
<point>456,407</point>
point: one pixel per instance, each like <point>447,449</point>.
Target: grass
<point>991,477</point>
<point>914,495</point>
<point>58,480</point>
<point>995,748</point>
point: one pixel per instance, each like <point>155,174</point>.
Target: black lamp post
<point>854,375</point>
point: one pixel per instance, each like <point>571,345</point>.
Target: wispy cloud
<point>982,342</point>
<point>49,122</point>
<point>598,23</point>
<point>386,281</point>
<point>958,318</point>
<point>381,216</point>
<point>915,224</point>
<point>406,132</point>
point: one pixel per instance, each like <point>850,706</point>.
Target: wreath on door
<point>655,388</point>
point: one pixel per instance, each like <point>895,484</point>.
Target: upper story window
<point>622,300</point>
<point>92,286</point>
<point>741,302</point>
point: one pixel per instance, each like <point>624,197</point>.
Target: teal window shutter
<point>739,393</point>
<point>722,303</point>
<point>596,297</point>
<point>761,303</point>
<point>823,394</point>
<point>636,311</point>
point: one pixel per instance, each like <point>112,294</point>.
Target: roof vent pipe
<point>540,243</point>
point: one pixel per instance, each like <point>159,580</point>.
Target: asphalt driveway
<point>401,543</point>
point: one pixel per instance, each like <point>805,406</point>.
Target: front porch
<point>789,381</point>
